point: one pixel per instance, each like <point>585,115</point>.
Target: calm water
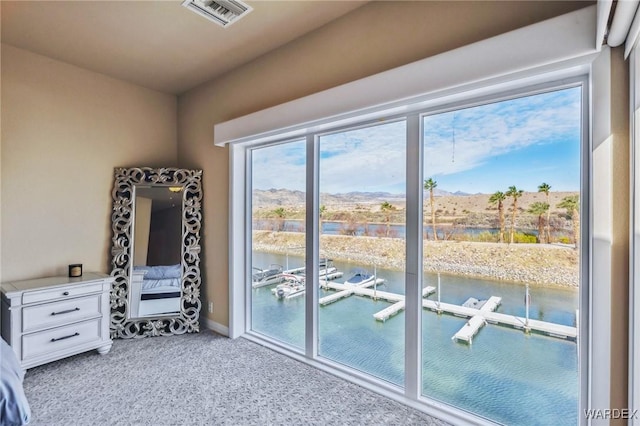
<point>505,375</point>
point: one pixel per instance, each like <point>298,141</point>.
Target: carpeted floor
<point>201,379</point>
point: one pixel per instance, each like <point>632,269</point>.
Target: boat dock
<point>485,314</point>
<point>479,313</point>
<point>476,322</point>
<point>392,310</point>
<point>323,274</point>
<point>548,328</point>
<point>346,290</point>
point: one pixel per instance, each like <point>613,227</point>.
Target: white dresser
<point>47,319</point>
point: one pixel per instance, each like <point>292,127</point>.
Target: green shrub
<point>482,237</point>
<point>564,240</point>
<point>520,237</point>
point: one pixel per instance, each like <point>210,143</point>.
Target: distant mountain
<point>442,193</point>
<point>286,197</point>
<point>449,203</point>
<point>281,197</point>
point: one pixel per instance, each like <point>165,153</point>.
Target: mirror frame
<point>122,218</point>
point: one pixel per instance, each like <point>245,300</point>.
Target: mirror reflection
<point>156,274</point>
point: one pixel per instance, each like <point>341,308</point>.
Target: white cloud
<point>373,158</point>
<point>475,135</point>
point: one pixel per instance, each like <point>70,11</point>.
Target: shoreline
<point>537,264</point>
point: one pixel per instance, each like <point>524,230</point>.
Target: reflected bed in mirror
<point>155,253</point>
<point>156,274</point>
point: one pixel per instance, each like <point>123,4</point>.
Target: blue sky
<point>521,142</point>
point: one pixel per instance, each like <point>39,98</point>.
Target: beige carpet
<point>201,379</point>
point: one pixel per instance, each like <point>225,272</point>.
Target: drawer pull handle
<point>66,293</point>
<point>65,337</point>
<point>65,312</point>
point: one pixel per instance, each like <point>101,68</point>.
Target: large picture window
<point>501,245</point>
<point>501,251</point>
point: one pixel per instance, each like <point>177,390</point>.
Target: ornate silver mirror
<point>156,223</point>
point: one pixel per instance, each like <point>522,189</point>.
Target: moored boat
<point>359,278</point>
<point>292,286</point>
<point>264,277</point>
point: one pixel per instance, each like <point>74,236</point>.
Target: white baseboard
<point>214,326</point>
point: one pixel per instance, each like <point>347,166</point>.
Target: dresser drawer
<point>59,293</point>
<point>60,339</point>
<point>60,313</point>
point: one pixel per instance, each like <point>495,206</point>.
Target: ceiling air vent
<point>222,12</point>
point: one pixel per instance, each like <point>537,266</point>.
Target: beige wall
<point>620,232</point>
<point>64,130</point>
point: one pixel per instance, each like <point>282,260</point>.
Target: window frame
<point>634,237</point>
<point>412,390</point>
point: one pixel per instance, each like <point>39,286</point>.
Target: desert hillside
<point>462,210</point>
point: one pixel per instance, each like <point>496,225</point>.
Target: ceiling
<point>158,44</point>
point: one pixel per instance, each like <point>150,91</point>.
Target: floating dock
<point>323,274</point>
<point>548,328</point>
<point>471,328</point>
<point>346,290</point>
<point>394,309</point>
<point>479,313</point>
<point>485,313</point>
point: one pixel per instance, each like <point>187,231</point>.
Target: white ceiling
<point>158,44</point>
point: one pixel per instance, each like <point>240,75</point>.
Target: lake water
<point>505,375</point>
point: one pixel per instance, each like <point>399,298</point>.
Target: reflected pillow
<point>160,272</point>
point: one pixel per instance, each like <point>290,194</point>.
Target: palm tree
<point>387,208</point>
<point>545,187</point>
<point>321,212</point>
<point>572,204</point>
<point>280,215</point>
<point>430,185</point>
<point>514,193</point>
<point>499,197</point>
<point>539,209</point>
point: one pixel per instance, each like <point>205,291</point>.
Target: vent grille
<point>222,12</point>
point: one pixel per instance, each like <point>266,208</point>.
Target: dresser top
<point>50,282</point>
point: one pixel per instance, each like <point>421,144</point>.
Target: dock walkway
<point>346,290</point>
<point>551,329</point>
<point>471,328</point>
<point>485,314</point>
